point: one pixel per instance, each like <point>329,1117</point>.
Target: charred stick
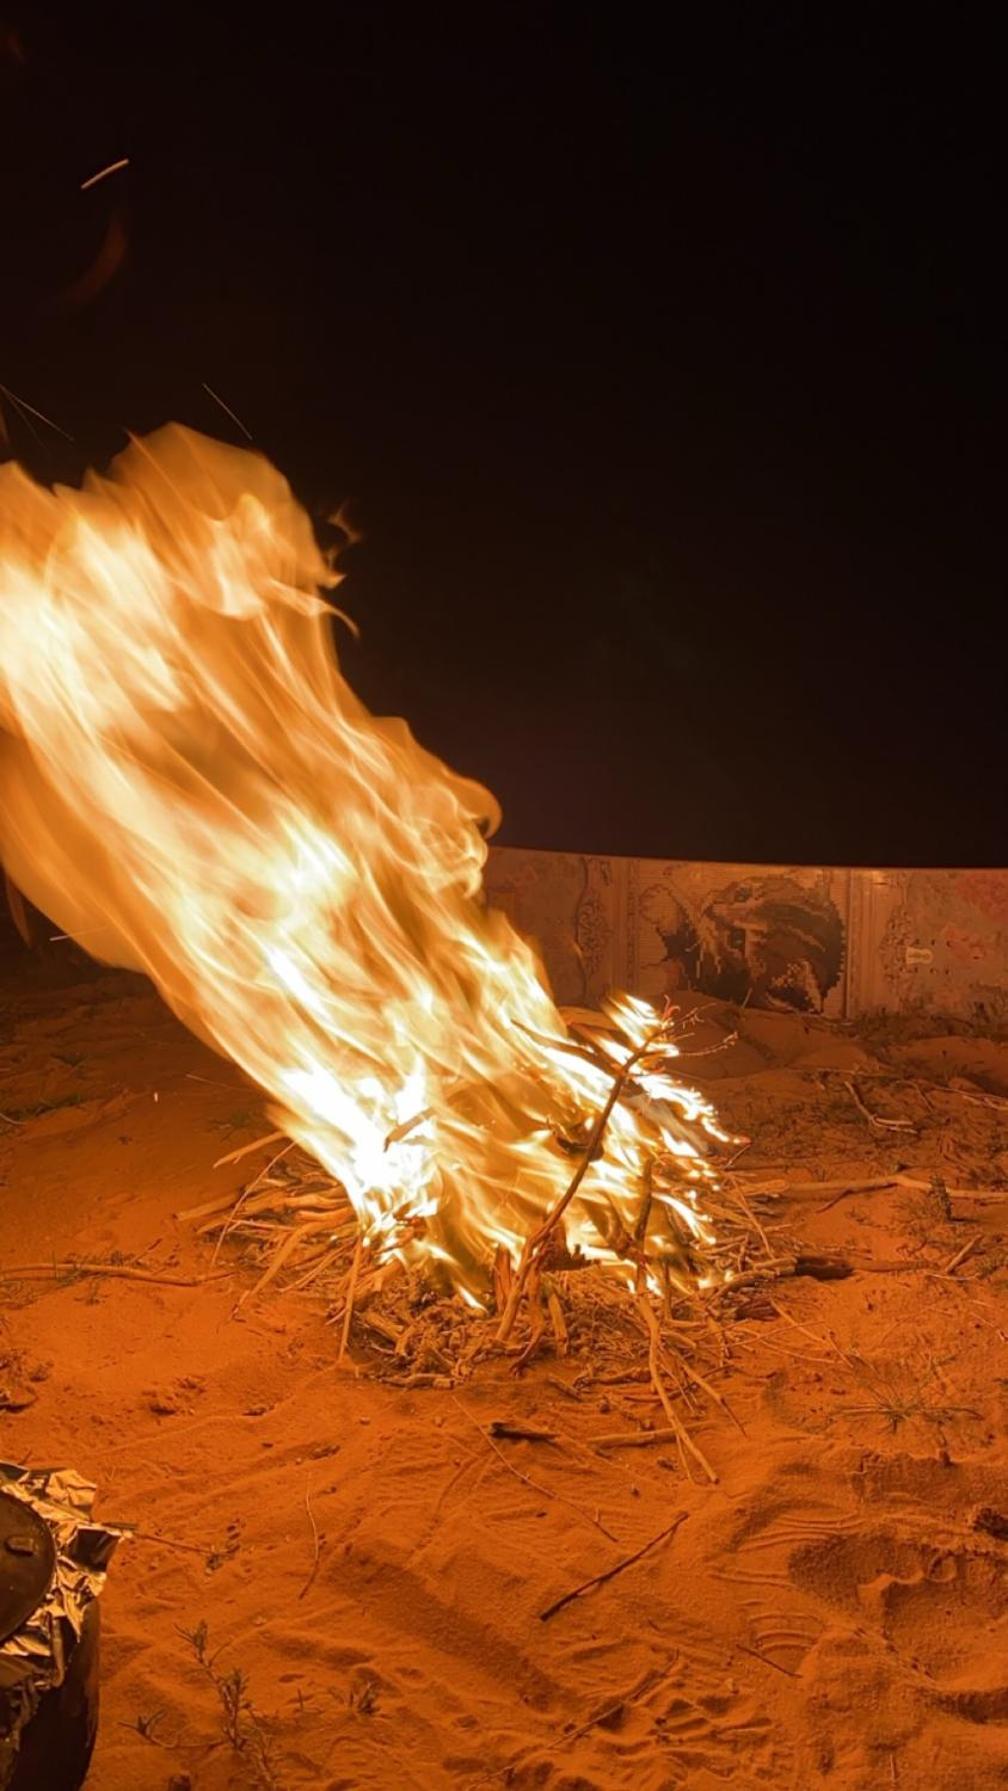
<point>521,1433</point>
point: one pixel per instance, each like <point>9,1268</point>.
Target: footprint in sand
<point>942,1611</point>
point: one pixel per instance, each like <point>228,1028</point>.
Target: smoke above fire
<point>189,787</point>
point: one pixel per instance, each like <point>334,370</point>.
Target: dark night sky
<point>664,373</point>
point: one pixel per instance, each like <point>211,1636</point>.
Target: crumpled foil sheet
<point>40,1651</point>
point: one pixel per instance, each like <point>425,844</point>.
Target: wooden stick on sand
<point>599,1579</point>
<point>119,1270</point>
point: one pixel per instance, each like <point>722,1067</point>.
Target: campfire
<point>525,1210</point>
<point>190,788</point>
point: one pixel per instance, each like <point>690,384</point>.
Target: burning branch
<point>533,1250</point>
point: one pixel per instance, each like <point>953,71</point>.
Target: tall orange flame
<point>188,786</point>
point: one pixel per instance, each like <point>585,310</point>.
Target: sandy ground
<point>834,1611</point>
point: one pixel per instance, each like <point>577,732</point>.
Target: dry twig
<point>600,1579</point>
<point>118,1270</point>
<point>535,1485</point>
<point>683,1438</point>
<point>877,1119</point>
<point>348,1310</point>
<point>960,1256</point>
<point>534,1246</point>
<point>633,1439</point>
<point>245,1150</point>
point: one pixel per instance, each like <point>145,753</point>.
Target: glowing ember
<point>188,786</point>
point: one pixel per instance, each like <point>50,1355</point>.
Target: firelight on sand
<point>189,787</point>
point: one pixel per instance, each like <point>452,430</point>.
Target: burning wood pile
<point>189,787</point>
<point>647,1308</point>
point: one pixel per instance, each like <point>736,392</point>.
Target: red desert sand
<point>347,1584</point>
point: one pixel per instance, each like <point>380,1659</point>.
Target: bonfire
<point>190,788</point>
